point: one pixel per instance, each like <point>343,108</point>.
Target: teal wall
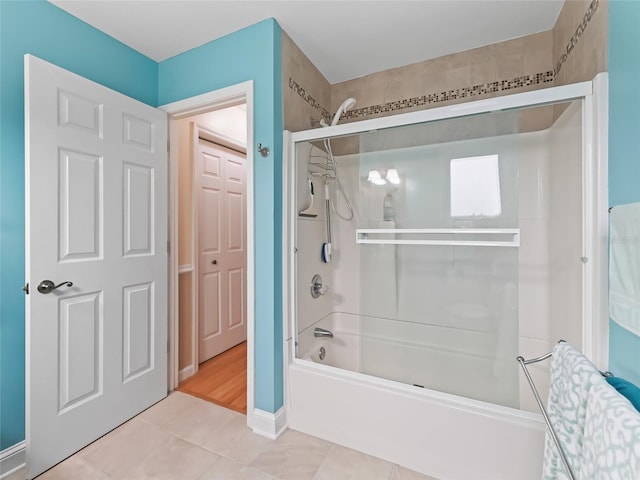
<point>42,29</point>
<point>249,54</point>
<point>624,150</point>
<point>39,28</point>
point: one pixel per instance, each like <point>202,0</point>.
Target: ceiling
<point>344,39</point>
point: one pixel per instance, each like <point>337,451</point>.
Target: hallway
<point>222,380</point>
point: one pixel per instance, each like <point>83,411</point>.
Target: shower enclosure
<point>474,235</point>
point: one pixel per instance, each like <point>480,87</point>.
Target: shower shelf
<point>499,237</point>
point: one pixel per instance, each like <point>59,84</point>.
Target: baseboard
<point>12,459</point>
<point>267,424</point>
<point>186,372</point>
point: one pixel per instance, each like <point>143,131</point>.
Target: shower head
<point>348,104</point>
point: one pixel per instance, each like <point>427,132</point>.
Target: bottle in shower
<point>387,208</point>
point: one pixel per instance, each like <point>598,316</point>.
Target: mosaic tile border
<point>575,38</point>
<point>430,99</point>
<point>454,94</point>
<point>293,85</point>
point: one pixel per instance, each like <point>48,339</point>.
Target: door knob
<point>214,262</point>
<point>47,286</point>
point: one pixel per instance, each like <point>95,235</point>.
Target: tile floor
<point>185,438</point>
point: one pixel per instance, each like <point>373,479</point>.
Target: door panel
<point>80,200</point>
<point>210,209</point>
<point>210,303</point>
<point>80,346</point>
<point>138,330</point>
<point>236,297</point>
<point>96,216</point>
<point>221,185</point>
<point>138,209</point>
<point>235,228</point>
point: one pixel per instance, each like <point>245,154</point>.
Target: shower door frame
<point>593,95</point>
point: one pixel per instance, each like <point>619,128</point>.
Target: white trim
<point>269,425</point>
<point>526,99</point>
<point>595,340</point>
<point>195,277</point>
<point>215,137</point>
<point>172,237</point>
<point>287,242</point>
<point>235,94</point>
<point>222,98</point>
<point>186,372</point>
<point>12,459</point>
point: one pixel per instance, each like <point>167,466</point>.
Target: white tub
<point>448,436</point>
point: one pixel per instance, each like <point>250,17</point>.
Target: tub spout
<point>321,332</point>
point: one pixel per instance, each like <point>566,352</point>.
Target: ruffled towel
<point>598,429</point>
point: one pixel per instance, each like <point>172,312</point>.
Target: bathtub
<point>349,398</point>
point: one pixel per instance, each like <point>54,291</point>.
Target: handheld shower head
<point>348,104</point>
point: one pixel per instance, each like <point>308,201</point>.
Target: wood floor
<point>222,380</point>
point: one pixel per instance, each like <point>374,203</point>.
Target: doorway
<point>212,256</point>
<point>184,362</point>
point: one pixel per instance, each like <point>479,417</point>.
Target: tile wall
<point>513,66</point>
<point>306,94</point>
<point>580,41</point>
<point>574,50</point>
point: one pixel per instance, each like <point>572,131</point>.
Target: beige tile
<point>176,459</point>
<point>73,468</point>
<point>167,409</point>
<point>454,60</point>
<point>197,421</point>
<point>483,69</point>
<point>296,65</point>
<point>366,98</point>
<point>538,52</point>
<point>458,77</point>
<point>400,90</point>
<point>434,81</point>
<point>345,464</point>
<point>236,441</point>
<point>589,56</point>
<point>123,449</point>
<point>401,473</point>
<point>293,456</point>
<point>225,469</point>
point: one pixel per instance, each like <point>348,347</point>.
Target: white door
<point>96,216</point>
<point>222,259</point>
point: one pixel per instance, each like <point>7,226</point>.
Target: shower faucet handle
<point>318,287</point>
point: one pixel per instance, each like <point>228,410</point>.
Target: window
<point>475,187</point>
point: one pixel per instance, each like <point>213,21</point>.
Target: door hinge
<point>168,246</point>
<point>25,289</point>
<point>168,145</point>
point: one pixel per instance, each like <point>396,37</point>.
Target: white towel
<point>572,377</point>
<point>598,429</point>
<point>624,266</point>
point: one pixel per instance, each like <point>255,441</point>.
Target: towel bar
<point>523,363</point>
